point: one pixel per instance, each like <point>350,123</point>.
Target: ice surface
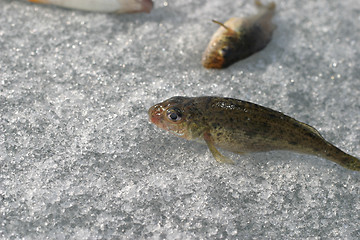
<point>79,159</point>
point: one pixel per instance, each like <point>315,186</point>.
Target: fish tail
<point>270,6</point>
<point>343,159</point>
<point>39,1</point>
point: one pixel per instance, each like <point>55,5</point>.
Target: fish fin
<point>270,6</point>
<point>216,154</point>
<point>350,162</point>
<point>39,1</point>
<point>223,25</point>
<point>312,129</point>
<point>345,160</point>
<point>258,3</point>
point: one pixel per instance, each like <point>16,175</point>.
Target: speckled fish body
<point>242,127</point>
<point>118,6</point>
<point>238,38</point>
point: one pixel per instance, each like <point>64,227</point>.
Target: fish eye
<point>224,51</point>
<point>174,114</point>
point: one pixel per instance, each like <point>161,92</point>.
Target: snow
<point>80,160</point>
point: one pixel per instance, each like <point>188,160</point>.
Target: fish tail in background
<point>334,154</point>
<point>117,6</point>
<point>270,6</point>
<point>39,1</point>
<point>266,13</point>
<point>147,6</point>
<point>133,6</point>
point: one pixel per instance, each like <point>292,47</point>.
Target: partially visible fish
<point>242,127</point>
<point>117,6</point>
<point>238,38</point>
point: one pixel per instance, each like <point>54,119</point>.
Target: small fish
<point>238,38</point>
<point>117,6</point>
<point>242,127</point>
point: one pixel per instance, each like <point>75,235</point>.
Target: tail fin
<point>270,6</point>
<point>343,159</point>
<point>39,1</point>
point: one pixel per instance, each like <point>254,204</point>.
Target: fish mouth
<point>155,113</point>
<point>212,60</point>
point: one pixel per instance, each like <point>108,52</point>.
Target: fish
<point>116,6</point>
<point>242,127</point>
<point>238,38</point>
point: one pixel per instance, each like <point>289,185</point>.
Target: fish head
<point>171,116</point>
<point>221,50</point>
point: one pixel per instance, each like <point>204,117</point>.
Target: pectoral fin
<point>217,155</point>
